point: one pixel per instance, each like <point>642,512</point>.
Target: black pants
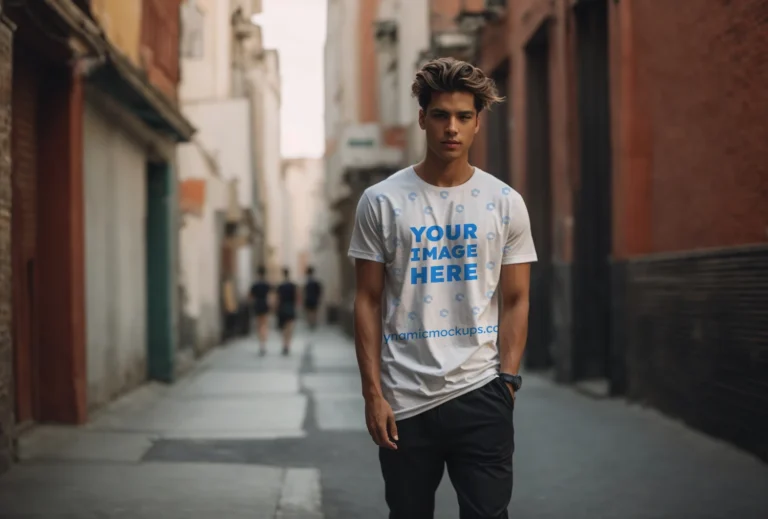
<point>473,435</point>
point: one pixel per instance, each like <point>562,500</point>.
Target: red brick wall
<point>631,142</point>
<point>702,65</point>
<point>160,21</point>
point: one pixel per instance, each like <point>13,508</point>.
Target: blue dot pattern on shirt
<point>443,255</point>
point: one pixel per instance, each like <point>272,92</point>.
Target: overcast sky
<point>296,28</point>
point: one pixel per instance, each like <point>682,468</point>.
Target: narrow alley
<point>284,437</point>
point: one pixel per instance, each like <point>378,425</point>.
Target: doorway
<point>539,198</point>
<point>498,132</point>
<point>592,203</point>
<point>24,221</point>
<point>160,268</point>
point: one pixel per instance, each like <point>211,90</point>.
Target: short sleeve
<point>519,246</point>
<point>366,242</point>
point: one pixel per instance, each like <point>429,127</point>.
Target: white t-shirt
<point>443,249</point>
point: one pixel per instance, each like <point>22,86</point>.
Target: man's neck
<point>444,174</point>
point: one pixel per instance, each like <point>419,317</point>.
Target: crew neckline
<point>461,187</point>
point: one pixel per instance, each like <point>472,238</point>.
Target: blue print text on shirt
<point>457,331</point>
<point>431,241</point>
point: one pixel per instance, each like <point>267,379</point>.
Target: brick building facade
<point>636,133</point>
<point>6,353</point>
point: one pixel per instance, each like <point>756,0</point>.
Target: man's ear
<point>477,123</point>
<point>422,117</point>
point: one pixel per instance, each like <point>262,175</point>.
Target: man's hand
<point>511,390</point>
<point>381,422</point>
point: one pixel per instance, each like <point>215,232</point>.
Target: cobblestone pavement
<point>284,437</point>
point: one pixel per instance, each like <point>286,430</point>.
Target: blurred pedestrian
<point>313,291</point>
<point>259,296</point>
<point>287,298</point>
<point>436,246</point>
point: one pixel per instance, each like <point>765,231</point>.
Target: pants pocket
<point>502,387</point>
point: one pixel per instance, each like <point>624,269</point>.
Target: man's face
<point>450,122</point>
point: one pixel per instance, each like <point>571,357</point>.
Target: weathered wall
<point>6,353</point>
<point>121,22</point>
<point>691,172</point>
<point>115,172</point>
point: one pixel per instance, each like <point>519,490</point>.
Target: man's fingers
<point>392,426</point>
<point>384,437</point>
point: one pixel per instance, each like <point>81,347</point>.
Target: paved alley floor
<point>284,437</point>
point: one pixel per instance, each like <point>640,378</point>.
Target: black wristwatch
<point>515,380</point>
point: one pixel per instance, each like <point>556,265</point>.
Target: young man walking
<point>287,297</point>
<point>313,290</point>
<point>259,296</point>
<point>437,246</point>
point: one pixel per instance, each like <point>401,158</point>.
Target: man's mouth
<point>451,144</point>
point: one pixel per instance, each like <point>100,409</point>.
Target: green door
<point>160,279</point>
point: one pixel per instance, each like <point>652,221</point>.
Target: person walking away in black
<point>260,300</point>
<point>287,297</point>
<point>313,290</point>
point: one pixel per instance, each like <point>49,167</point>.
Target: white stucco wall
<point>413,37</point>
<point>303,181</point>
<point>199,248</point>
<point>224,130</point>
<point>268,127</point>
<point>208,77</point>
<point>115,172</point>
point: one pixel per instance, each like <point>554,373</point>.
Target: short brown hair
<point>452,75</point>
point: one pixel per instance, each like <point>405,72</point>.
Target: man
<point>259,299</point>
<point>313,290</point>
<point>287,298</point>
<point>437,246</point>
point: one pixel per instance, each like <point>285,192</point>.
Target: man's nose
<point>452,127</point>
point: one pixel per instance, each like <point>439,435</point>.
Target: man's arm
<point>378,413</point>
<point>513,322</point>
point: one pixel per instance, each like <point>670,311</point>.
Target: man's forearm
<point>368,346</point>
<point>513,332</point>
